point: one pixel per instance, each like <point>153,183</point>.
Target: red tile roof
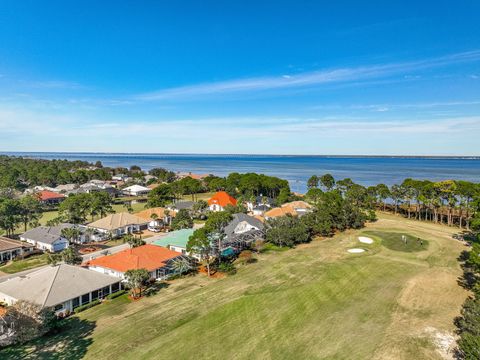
<point>48,195</point>
<point>223,199</point>
<point>148,257</point>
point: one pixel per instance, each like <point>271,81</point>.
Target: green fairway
<point>394,241</point>
<point>313,302</point>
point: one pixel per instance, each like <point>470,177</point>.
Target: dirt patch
<point>444,342</point>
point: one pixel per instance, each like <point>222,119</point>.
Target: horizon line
<point>475,157</point>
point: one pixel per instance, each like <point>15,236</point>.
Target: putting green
<point>400,241</point>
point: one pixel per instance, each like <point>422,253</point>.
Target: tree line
<point>242,186</point>
<point>450,202</point>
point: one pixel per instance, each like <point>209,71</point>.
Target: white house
<point>156,260</point>
<point>119,224</point>
<point>50,238</point>
<point>62,287</point>
<point>136,190</point>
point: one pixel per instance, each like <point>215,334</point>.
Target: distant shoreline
<point>88,153</point>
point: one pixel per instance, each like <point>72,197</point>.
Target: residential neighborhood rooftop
<point>176,238</point>
<point>223,199</point>
<point>115,221</point>
<point>48,234</point>
<point>148,257</point>
<point>45,195</point>
<point>159,211</point>
<point>9,244</point>
<point>52,285</point>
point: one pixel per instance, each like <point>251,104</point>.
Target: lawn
<point>24,264</point>
<point>313,302</point>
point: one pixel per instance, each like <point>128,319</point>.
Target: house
<point>47,238</point>
<point>62,287</point>
<point>294,208</point>
<point>136,190</point>
<point>176,241</point>
<point>92,187</point>
<point>259,210</point>
<point>119,224</point>
<point>300,207</point>
<point>62,189</point>
<point>241,232</point>
<point>279,212</point>
<point>11,249</point>
<point>121,177</point>
<point>181,205</point>
<point>48,197</point>
<point>50,238</point>
<point>260,201</point>
<point>156,260</point>
<point>220,200</point>
<point>153,186</point>
<point>181,175</point>
<point>163,218</point>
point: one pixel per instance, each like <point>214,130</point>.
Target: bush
<point>115,294</point>
<point>272,247</point>
<point>86,306</point>
<point>227,268</point>
<point>246,257</point>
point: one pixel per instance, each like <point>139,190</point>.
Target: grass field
<point>24,264</point>
<point>313,302</point>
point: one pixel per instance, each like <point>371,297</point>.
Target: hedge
<point>115,294</point>
<point>86,306</point>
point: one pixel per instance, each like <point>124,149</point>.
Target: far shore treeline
<point>453,202</point>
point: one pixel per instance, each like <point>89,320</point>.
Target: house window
<point>58,307</point>
<point>75,302</point>
<point>85,298</point>
<point>105,291</point>
<point>94,295</point>
<point>115,287</point>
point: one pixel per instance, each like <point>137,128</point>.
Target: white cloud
<point>308,78</point>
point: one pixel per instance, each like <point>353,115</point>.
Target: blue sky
<point>275,77</point>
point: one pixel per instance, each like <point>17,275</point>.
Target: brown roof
<point>118,220</point>
<point>299,204</point>
<point>9,244</point>
<point>160,211</point>
<point>280,211</point>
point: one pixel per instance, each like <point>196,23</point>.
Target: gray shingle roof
<point>53,285</point>
<point>183,205</point>
<point>47,234</point>
<point>229,230</point>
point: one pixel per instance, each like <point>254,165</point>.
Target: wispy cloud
<point>340,75</point>
<point>52,84</point>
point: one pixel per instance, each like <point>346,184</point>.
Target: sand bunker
<point>355,251</point>
<point>365,240</point>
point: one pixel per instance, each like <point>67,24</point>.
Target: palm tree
<point>136,280</point>
<point>181,265</point>
<point>71,234</point>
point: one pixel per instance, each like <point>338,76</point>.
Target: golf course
<point>395,300</point>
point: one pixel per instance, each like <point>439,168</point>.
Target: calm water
<point>296,169</point>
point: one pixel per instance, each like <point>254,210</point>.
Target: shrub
<point>115,294</point>
<point>227,268</point>
<point>246,257</point>
<point>86,306</point>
